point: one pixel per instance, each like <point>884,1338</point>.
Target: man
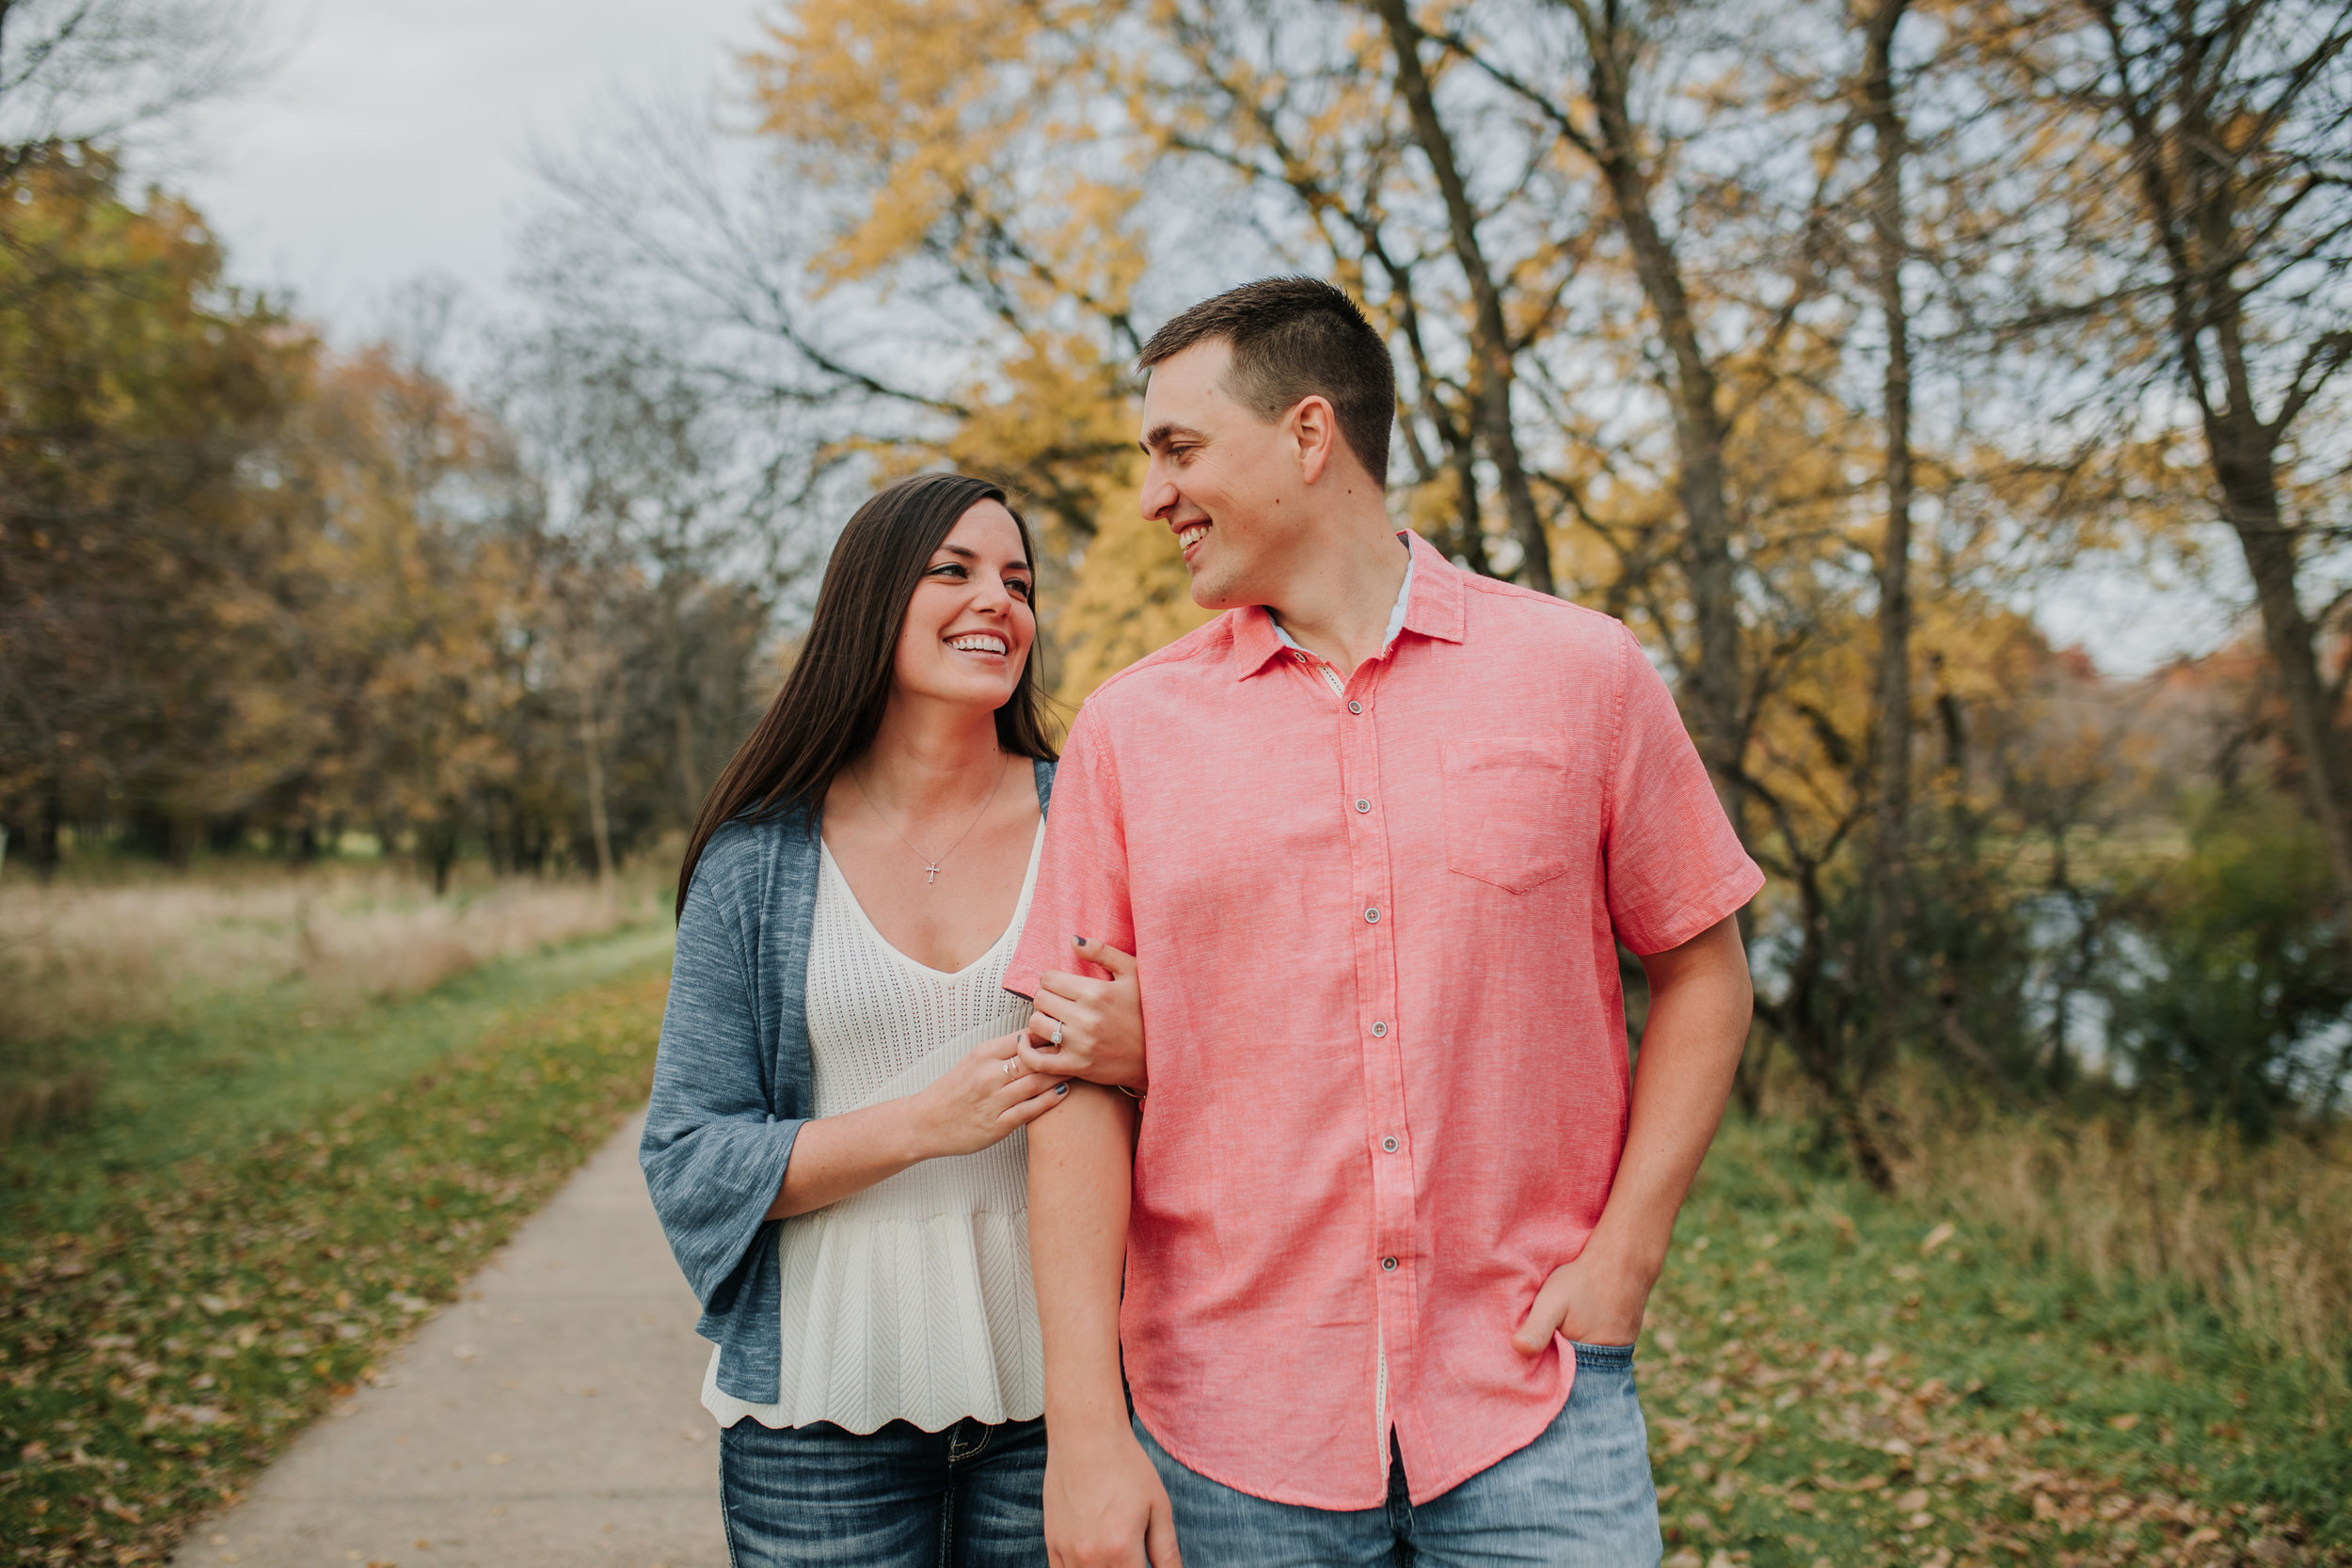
<point>1373,836</point>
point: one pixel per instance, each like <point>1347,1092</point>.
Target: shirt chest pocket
<point>1507,810</point>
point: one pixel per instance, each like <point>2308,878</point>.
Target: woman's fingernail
<point>1062,1088</point>
<point>1081,940</point>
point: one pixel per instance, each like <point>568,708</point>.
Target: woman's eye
<point>957,567</point>
<point>1017,586</point>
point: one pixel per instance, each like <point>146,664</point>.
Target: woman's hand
<point>973,1105</point>
<point>1102,1023</point>
<point>982,1101</point>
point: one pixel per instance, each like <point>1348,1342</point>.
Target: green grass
<point>1829,1380</point>
<point>268,1195</point>
<point>272,1189</point>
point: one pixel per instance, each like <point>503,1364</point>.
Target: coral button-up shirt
<point>1376,932</point>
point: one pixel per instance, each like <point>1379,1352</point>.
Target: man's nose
<point>1159,493</point>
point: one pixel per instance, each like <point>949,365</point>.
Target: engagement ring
<point>1055,1038</point>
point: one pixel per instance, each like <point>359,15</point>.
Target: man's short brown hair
<point>1296,338</point>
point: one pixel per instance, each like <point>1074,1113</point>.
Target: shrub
<point>2227,986</point>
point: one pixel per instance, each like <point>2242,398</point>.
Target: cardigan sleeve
<point>714,1152</point>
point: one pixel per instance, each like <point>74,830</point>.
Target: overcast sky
<point>393,142</point>
<point>393,139</point>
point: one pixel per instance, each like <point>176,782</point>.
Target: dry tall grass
<point>2263,1232</point>
<point>75,957</point>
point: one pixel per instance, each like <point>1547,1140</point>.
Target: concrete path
<point>550,1417</point>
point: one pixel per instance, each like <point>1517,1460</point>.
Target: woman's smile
<point>989,644</point>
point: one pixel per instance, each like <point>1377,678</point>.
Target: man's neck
<point>1338,604</point>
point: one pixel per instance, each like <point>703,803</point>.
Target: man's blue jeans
<point>1579,1497</point>
<point>817,1497</point>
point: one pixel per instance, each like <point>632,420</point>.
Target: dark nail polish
<point>1062,1088</point>
<point>1082,941</point>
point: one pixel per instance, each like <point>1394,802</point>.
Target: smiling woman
<point>835,1142</point>
<point>863,637</point>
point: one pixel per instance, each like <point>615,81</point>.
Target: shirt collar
<point>1429,601</point>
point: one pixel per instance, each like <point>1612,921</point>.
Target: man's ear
<point>1315,429</point>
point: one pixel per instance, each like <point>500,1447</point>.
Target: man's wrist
<point>1637,1260</point>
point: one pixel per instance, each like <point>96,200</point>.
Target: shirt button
<point>1363,805</point>
<point>1380,1031</point>
<point>1355,707</point>
<point>1389,1144</point>
<point>1373,916</point>
<point>1387,1265</point>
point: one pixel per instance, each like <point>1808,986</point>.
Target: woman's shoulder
<point>750,855</point>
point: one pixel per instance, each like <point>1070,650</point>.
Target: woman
<point>835,1142</point>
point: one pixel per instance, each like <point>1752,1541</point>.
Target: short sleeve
<point>1674,865</point>
<point>1082,876</point>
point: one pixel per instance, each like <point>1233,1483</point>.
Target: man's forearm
<point>1700,1003</point>
<point>1698,1021</point>
<point>1081,1164</point>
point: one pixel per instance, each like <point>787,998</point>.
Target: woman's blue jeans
<point>817,1497</point>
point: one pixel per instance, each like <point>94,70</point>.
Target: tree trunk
<point>1490,340</point>
<point>2250,495</point>
<point>1714,685</point>
<point>683,737</point>
<point>1810,1019</point>
<point>48,830</point>
<point>1469,543</point>
<point>1891,780</point>
<point>1470,531</point>
<point>2199,178</point>
<point>599,819</point>
<point>439,842</point>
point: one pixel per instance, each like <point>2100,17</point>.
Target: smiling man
<point>1377,1249</point>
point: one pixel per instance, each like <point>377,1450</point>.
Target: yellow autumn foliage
<point>1130,596</point>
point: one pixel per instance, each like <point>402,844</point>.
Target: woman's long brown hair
<point>832,702</point>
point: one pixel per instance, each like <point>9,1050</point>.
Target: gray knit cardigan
<point>732,1083</point>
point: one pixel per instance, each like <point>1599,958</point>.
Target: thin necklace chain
<point>931,866</point>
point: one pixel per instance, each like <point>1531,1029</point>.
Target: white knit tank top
<point>912,1300</point>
